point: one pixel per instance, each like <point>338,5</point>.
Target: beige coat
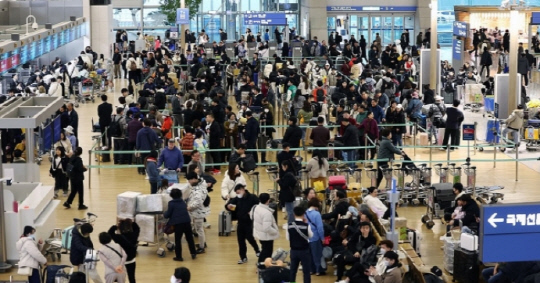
<point>389,276</point>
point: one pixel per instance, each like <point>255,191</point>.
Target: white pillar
<point>513,64</point>
<point>101,23</point>
<point>433,60</point>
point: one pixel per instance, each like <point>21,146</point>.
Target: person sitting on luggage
<point>114,259</point>
<point>80,243</point>
<point>341,206</point>
<point>354,245</point>
<point>457,189</point>
<point>470,221</point>
<point>392,272</point>
<point>171,157</point>
<point>243,204</point>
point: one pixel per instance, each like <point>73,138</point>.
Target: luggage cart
<point>455,172</point>
<point>474,97</point>
<point>273,174</point>
<point>442,172</point>
<point>161,239</point>
<point>254,177</point>
<point>171,176</point>
<point>492,134</point>
<point>439,197</point>
<point>531,135</point>
<point>85,92</point>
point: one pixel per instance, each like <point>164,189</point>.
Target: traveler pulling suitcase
<point>224,223</point>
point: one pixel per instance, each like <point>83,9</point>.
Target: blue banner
<point>510,232</point>
<point>267,19</point>
<point>461,29</point>
<point>182,16</point>
<point>372,8</point>
<point>457,49</point>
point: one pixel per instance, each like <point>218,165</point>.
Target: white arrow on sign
<point>493,221</point>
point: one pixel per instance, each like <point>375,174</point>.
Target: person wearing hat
<point>436,113</point>
<point>293,134</point>
<point>414,109</point>
<point>68,131</point>
<point>392,273</point>
<point>171,157</point>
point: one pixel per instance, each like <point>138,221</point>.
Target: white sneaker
<point>284,226</point>
<point>146,177</point>
<point>207,225</point>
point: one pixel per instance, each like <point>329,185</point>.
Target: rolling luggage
<point>414,238</point>
<point>224,223</point>
<point>466,267</point>
<point>66,237</point>
<point>423,139</point>
<point>55,273</point>
<point>338,182</point>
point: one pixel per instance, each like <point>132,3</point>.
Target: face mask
<point>33,237</point>
<point>383,251</point>
<point>386,263</point>
<point>266,110</point>
<point>240,195</point>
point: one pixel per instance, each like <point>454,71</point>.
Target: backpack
<point>320,95</point>
<point>133,66</point>
<point>206,201</point>
<point>297,189</point>
<point>115,130</point>
<point>69,169</point>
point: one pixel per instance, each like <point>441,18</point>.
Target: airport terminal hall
<point>269,141</point>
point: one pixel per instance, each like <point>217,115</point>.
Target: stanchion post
<point>393,196</point>
<point>448,155</point>
<point>495,155</point>
<point>517,162</point>
<point>414,137</point>
<point>89,169</point>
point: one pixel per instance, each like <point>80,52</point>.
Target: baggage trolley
<point>439,197</point>
<point>171,176</point>
<point>492,134</point>
<point>442,172</point>
<point>531,135</point>
<point>273,174</point>
<point>455,172</point>
<point>85,93</point>
<point>254,177</point>
<point>161,239</point>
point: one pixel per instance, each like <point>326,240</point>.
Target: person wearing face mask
<point>242,205</point>
<point>30,255</point>
<point>392,272</point>
<point>355,245</point>
<point>181,275</point>
<point>380,267</point>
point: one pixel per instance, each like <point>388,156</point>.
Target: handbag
<point>168,229</point>
<point>25,271</point>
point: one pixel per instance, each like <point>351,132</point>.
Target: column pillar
<point>315,11</point>
<point>434,58</point>
<point>101,25</point>
<point>513,63</point>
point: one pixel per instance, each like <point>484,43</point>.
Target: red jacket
<point>370,128</point>
<point>187,144</point>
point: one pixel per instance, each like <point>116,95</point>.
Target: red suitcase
<point>337,182</point>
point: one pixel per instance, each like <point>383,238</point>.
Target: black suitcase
<point>466,266</point>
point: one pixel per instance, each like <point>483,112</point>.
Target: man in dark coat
<point>80,243</point>
<point>251,133</point>
<point>213,129</point>
<point>105,110</point>
<point>293,134</point>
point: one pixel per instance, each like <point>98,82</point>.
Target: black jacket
<point>74,119</point>
<point>350,136</point>
<point>77,174</point>
<point>293,135</point>
<point>252,130</point>
<point>79,245</point>
<point>177,212</point>
<point>117,58</point>
<point>128,241</point>
<point>472,211</point>
<point>287,182</point>
<point>244,206</point>
<point>215,135</point>
<point>429,97</point>
<point>357,243</point>
<point>281,157</point>
<point>160,100</point>
<point>176,106</point>
<point>340,208</point>
<point>454,117</point>
<point>486,59</point>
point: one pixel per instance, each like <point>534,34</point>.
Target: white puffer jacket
<point>198,194</point>
<point>29,254</point>
<point>264,224</point>
<point>227,185</point>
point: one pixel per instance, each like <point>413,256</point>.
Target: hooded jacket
<point>29,254</point>
<point>79,245</point>
<point>196,200</point>
<point>515,120</point>
<point>228,185</point>
<point>244,206</point>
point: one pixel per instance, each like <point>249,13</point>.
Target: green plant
<point>168,8</point>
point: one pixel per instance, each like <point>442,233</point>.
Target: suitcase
<point>466,267</point>
<point>415,239</point>
<point>66,237</point>
<point>493,127</point>
<point>469,242</point>
<point>423,139</point>
<point>224,223</point>
<point>531,133</point>
<point>337,182</point>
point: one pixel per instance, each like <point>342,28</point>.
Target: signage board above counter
<point>371,8</point>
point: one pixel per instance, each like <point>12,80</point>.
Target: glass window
<point>127,18</point>
<point>364,23</point>
<point>398,27</point>
<point>354,21</point>
<point>154,18</point>
<point>210,5</point>
<point>409,22</point>
<point>249,5</point>
<point>375,27</point>
<point>152,2</point>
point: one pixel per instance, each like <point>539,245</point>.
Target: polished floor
<point>219,263</point>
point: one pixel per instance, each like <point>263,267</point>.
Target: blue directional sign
<point>457,49</point>
<point>510,232</point>
<point>372,8</point>
<point>267,19</point>
<point>461,29</point>
<point>182,16</point>
<point>468,132</point>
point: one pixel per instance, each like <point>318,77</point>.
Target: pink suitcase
<point>337,182</point>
